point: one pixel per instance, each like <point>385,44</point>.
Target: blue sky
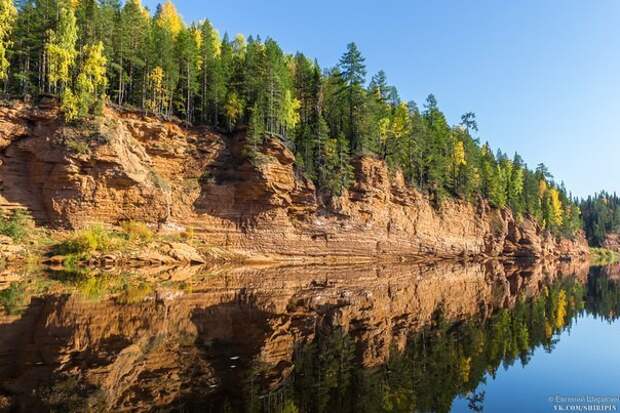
<point>542,76</point>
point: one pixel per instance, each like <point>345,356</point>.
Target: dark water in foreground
<point>401,338</point>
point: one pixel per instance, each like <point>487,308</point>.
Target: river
<point>435,337</point>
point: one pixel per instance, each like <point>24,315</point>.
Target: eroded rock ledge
<point>134,167</point>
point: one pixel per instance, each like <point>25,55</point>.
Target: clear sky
<point>543,77</point>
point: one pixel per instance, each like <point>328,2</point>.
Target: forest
<point>601,216</point>
<point>89,53</point>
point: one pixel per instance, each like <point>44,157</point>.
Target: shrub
<point>78,146</point>
<point>159,182</point>
<point>188,234</point>
<point>137,231</point>
<point>14,226</point>
<point>602,256</point>
<point>12,299</point>
<point>92,239</point>
<point>135,293</point>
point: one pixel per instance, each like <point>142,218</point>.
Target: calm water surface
<point>367,338</point>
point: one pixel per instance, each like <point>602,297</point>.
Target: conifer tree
<point>353,73</point>
<point>131,53</point>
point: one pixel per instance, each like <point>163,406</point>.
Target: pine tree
<point>188,49</point>
<point>337,170</point>
<point>379,88</point>
<point>353,73</point>
<point>212,89</point>
<point>132,55</point>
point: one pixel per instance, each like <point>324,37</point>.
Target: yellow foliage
<point>401,122</point>
<point>60,49</point>
<point>8,13</point>
<point>465,368</point>
<point>169,19</point>
<point>548,329</point>
<point>239,45</point>
<point>556,207</point>
<point>291,107</point>
<point>560,312</point>
<point>93,71</point>
<point>542,188</point>
<point>396,126</point>
<point>69,105</point>
<point>233,108</point>
<point>196,36</point>
<point>384,129</point>
<point>458,155</point>
<point>137,231</point>
<point>158,94</point>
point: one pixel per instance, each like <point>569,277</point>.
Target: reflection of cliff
<point>184,349</point>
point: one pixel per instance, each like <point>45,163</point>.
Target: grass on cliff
<point>95,238</point>
<point>603,256</point>
<point>83,244</point>
<point>15,225</point>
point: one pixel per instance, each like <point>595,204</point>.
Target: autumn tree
<point>8,14</point>
<point>92,81</point>
<point>61,49</point>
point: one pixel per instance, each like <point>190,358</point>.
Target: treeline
<point>87,51</point>
<point>601,216</point>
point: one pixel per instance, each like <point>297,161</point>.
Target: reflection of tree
<point>443,361</point>
<point>603,297</point>
<point>326,366</point>
<point>475,401</point>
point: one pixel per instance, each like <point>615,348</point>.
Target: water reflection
<point>366,338</point>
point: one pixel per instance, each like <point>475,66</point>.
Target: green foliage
<point>445,360</point>
<point>137,231</point>
<point>15,225</point>
<point>337,172</point>
<point>95,238</point>
<point>77,145</point>
<point>601,216</point>
<point>13,299</point>
<point>603,256</point>
<point>135,293</point>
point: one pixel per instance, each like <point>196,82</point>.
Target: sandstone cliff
<point>133,167</point>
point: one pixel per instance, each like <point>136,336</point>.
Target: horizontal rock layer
<point>133,167</point>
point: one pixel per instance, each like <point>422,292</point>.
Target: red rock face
<point>156,352</point>
<point>612,242</point>
<point>131,166</point>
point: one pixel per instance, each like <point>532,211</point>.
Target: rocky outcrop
<point>612,242</point>
<point>134,167</point>
<point>173,348</point>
